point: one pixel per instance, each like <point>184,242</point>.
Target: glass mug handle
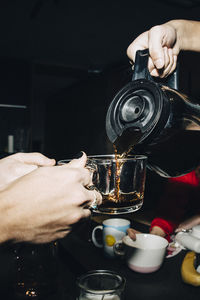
<point>119,249</point>
<point>96,243</point>
<point>92,169</point>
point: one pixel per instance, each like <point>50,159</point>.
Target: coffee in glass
<point>120,180</point>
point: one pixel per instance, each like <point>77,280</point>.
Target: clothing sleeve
<point>167,226</point>
<point>175,202</point>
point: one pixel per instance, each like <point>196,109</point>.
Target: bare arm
<point>189,223</point>
<point>43,205</point>
<point>188,34</point>
<point>20,164</point>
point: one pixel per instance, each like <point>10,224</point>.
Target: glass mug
<point>100,285</point>
<point>120,181</point>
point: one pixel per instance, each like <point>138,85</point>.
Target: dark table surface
<point>78,255</point>
<point>166,283</point>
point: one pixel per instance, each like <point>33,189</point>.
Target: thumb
<point>34,158</point>
<point>80,162</point>
<point>132,233</point>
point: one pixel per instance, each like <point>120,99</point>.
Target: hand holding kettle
<point>153,118</point>
<point>164,43</point>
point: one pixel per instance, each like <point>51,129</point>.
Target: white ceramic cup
<point>145,255</point>
<point>113,230</point>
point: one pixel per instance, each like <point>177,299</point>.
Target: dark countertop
<point>78,255</point>
<point>166,283</point>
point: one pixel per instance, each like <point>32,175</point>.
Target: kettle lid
<point>140,107</point>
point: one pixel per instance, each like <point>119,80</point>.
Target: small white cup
<point>113,230</point>
<point>145,255</point>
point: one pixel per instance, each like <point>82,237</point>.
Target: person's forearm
<point>189,223</point>
<point>188,34</point>
<point>5,231</point>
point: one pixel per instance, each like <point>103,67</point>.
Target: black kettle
<point>153,118</point>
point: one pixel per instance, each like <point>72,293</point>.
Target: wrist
<point>187,32</point>
<point>198,220</point>
<point>178,27</point>
<point>158,231</point>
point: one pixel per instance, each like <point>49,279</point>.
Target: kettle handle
<point>141,70</point>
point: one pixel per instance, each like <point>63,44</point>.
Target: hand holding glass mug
<point>87,183</point>
<point>58,199</point>
<point>120,181</point>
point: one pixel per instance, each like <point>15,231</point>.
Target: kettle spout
<point>125,142</point>
<point>124,138</point>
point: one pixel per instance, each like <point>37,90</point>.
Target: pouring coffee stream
<point>155,119</point>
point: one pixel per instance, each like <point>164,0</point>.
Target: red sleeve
<point>174,202</point>
<point>177,198</point>
<point>189,178</point>
<point>167,226</point>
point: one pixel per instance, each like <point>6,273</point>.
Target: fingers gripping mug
<point>113,230</point>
